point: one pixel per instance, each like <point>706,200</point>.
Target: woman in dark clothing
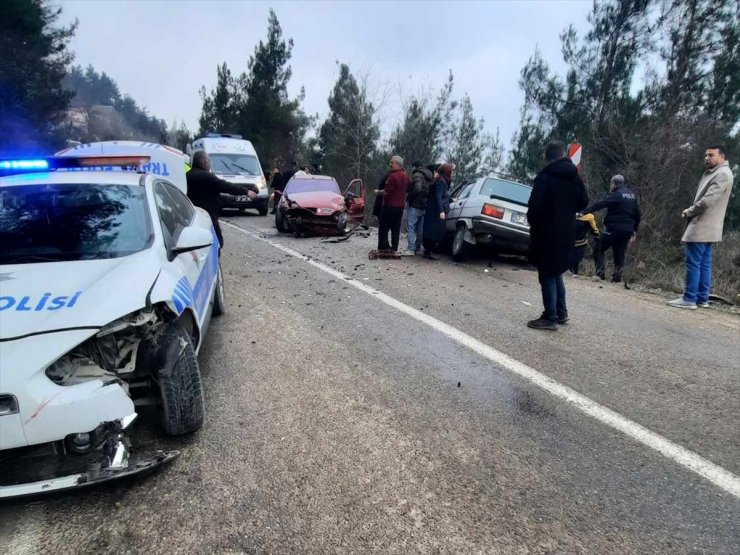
<point>434,219</point>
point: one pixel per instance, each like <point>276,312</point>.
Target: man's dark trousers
<point>553,297</point>
<point>390,220</point>
<point>618,241</point>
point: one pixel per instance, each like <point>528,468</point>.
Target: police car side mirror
<point>191,239</point>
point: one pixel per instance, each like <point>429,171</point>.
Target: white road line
<point>716,474</point>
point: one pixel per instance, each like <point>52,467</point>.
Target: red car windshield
<point>296,186</point>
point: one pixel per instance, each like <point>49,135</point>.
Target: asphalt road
<point>340,419</point>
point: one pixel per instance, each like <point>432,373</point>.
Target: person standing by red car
<point>394,199</point>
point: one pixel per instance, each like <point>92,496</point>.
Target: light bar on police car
<point>24,165</point>
<point>67,162</point>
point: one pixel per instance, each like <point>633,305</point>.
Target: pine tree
<point>221,107</point>
<point>525,158</point>
<point>424,131</point>
<point>471,150</point>
<point>256,104</point>
<point>348,138</point>
<point>493,152</point>
<point>33,63</point>
<point>723,95</point>
<point>697,37</point>
<point>274,123</point>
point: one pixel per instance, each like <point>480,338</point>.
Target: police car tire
<point>180,386</point>
<point>219,295</point>
<point>460,248</point>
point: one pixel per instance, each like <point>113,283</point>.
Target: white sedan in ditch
<point>108,280</point>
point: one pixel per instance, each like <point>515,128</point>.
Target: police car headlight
<point>108,354</point>
<point>261,182</point>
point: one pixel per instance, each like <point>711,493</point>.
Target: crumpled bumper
<point>57,472</point>
<point>46,411</point>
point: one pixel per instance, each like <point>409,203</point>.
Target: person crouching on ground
<point>584,225</point>
<point>557,195</point>
<point>435,217</point>
<point>394,199</point>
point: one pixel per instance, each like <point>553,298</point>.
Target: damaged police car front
<point>108,280</point>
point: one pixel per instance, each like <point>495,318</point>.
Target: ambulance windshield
<point>234,164</point>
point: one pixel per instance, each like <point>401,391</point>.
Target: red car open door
<point>354,197</point>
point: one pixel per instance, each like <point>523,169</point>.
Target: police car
<point>108,281</point>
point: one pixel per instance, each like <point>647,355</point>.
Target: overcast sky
<point>161,52</point>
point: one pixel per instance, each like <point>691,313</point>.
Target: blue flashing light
<point>24,165</point>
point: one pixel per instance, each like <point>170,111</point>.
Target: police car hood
<point>53,296</point>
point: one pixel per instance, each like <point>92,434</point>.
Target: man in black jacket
<point>279,183</point>
<point>417,199</point>
<point>557,195</point>
<point>204,190</point>
<point>621,223</point>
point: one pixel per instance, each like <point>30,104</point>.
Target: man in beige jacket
<point>705,218</point>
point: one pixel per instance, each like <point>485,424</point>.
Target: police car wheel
<point>180,383</point>
<point>219,296</point>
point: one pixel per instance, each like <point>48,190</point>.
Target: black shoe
<point>563,320</point>
<point>542,324</point>
<point>428,255</point>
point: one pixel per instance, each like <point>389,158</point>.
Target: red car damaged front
<point>315,204</point>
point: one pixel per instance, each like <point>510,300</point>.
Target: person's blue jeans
<point>698,272</point>
<point>553,297</point>
<point>414,227</point>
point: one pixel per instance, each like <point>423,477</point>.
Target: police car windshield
<point>234,164</point>
<point>62,222</point>
<point>507,190</point>
<point>296,186</point>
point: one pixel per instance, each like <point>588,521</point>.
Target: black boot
<point>542,323</point>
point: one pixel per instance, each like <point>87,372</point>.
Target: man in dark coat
<point>280,181</point>
<point>204,189</point>
<point>558,194</point>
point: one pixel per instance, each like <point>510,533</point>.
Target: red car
<point>315,204</point>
